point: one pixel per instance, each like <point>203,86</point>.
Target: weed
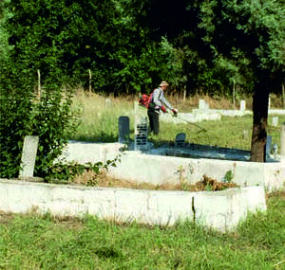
<point>228,177</point>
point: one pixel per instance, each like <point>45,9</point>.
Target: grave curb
<point>221,210</point>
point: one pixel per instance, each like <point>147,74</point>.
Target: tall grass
<point>99,117</point>
<point>99,123</point>
<point>35,242</point>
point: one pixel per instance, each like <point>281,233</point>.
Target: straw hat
<point>163,83</point>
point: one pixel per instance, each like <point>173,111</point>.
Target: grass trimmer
<point>192,124</point>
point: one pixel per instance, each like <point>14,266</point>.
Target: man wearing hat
<point>156,105</point>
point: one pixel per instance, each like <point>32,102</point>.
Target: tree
<point>252,33</point>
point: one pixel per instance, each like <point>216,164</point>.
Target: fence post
<point>282,150</point>
<point>90,80</point>
<point>283,96</point>
<point>39,84</point>
<point>234,94</point>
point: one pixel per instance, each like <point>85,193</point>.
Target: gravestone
<point>124,129</point>
<point>202,104</point>
<point>274,150</point>
<point>282,143</point>
<point>29,156</point>
<point>275,121</point>
<point>245,134</point>
<point>269,103</point>
<point>141,128</point>
<point>242,105</point>
<point>180,140</point>
<point>141,134</point>
<point>268,146</point>
<point>108,101</point>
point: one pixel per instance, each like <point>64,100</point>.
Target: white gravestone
<point>282,143</point>
<point>245,134</point>
<point>275,121</point>
<point>202,104</point>
<point>242,105</point>
<point>124,129</point>
<point>108,101</point>
<point>29,156</point>
<point>180,140</point>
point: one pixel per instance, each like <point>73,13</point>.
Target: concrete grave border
<point>157,169</point>
<point>222,210</point>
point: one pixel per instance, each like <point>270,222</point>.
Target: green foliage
<point>249,32</point>
<point>228,178</point>
<point>67,171</point>
<point>23,114</point>
<point>15,115</point>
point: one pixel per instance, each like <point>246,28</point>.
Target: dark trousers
<point>153,121</point>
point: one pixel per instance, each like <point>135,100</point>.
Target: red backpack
<point>145,100</point>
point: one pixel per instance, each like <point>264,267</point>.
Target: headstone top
<point>180,140</point>
<point>29,156</point>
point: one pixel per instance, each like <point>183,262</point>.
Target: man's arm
<point>165,102</point>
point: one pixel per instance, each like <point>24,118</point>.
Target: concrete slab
<point>222,210</point>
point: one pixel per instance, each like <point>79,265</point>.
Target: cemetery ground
<point>45,242</point>
<point>99,122</point>
<point>32,241</point>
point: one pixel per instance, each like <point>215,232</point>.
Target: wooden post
<point>234,94</point>
<point>39,84</point>
<point>90,80</point>
<point>184,96</point>
<point>283,95</point>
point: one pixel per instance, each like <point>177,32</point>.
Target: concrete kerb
<point>221,210</point>
<point>160,169</point>
<point>157,170</point>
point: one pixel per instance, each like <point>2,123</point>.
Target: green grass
<point>34,242</point>
<point>99,123</point>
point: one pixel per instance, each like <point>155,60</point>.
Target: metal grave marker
<point>141,128</point>
<point>29,156</point>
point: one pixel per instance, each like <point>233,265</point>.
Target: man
<point>156,105</point>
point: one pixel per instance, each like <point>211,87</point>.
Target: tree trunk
<point>260,116</point>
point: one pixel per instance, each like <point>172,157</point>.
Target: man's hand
<point>163,109</point>
<point>175,111</point>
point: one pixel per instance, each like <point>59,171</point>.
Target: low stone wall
<point>84,152</point>
<point>158,168</point>
<point>154,169</point>
<point>221,210</point>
